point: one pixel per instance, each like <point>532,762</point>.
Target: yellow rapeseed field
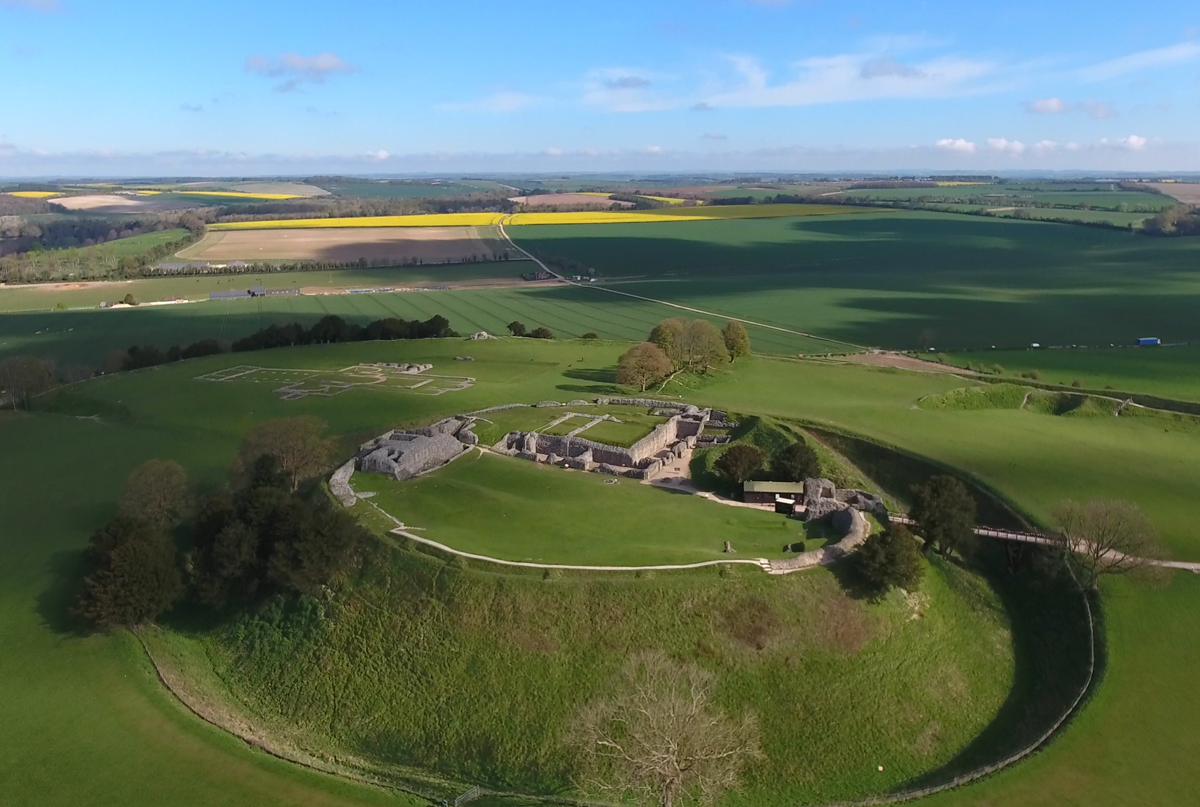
<point>34,194</point>
<point>707,213</point>
<point>430,220</point>
<point>239,195</point>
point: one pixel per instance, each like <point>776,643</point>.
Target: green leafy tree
<point>132,576</point>
<point>737,341</point>
<point>590,335</point>
<point>702,346</point>
<point>299,443</point>
<point>891,559</point>
<point>668,335</point>
<point>642,365</point>
<point>945,514</point>
<point>740,462</point>
<point>517,328</point>
<point>157,492</point>
<point>541,332</point>
<point>795,463</point>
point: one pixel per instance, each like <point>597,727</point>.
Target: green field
<point>86,337</point>
<point>46,296</point>
<point>903,280</point>
<point>1100,196</point>
<point>1167,372</point>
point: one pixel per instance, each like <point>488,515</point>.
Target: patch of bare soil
<point>568,200</point>
<point>429,244</point>
<point>1186,192</point>
<point>750,621</point>
<point>842,624</point>
<point>900,361</point>
<point>105,202</point>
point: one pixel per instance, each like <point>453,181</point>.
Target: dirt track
<point>902,362</point>
<point>431,244</point>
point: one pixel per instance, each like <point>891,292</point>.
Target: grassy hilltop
<point>96,701</point>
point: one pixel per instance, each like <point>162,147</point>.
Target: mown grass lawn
<point>513,509</point>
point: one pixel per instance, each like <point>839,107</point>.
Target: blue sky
<point>121,87</point>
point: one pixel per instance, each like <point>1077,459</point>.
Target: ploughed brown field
<point>1186,192</point>
<point>429,244</point>
<point>568,200</point>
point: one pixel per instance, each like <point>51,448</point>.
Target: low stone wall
<point>857,529</point>
<point>339,484</point>
<point>647,402</point>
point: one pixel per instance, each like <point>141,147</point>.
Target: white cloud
<point>1131,143</point>
<point>1072,146</point>
<point>36,5</point>
<point>500,102</point>
<point>298,69</point>
<point>380,155</point>
<point>553,152</point>
<point>1098,109</point>
<point>853,77</point>
<point>1005,145</point>
<point>1047,106</point>
<point>701,106</point>
<point>1159,57</point>
<point>1044,147</point>
<point>958,145</point>
<point>653,149</point>
<point>622,89</point>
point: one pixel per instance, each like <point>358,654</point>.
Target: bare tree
<point>297,442</point>
<point>1104,536</point>
<point>157,492</point>
<point>22,377</point>
<point>658,738</point>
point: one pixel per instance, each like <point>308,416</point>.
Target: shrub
<point>590,335</point>
<point>891,559</point>
<point>740,462</point>
<point>795,463</point>
<point>541,332</point>
<point>517,328</point>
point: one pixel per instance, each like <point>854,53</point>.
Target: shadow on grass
<point>1050,651</point>
<point>55,602</point>
<point>604,382</point>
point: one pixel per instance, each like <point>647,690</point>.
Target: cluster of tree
<point>567,266</point>
<point>944,511</point>
<point>793,462</point>
<point>22,377</point>
<point>354,207</point>
<point>141,356</point>
<point>331,329</point>
<point>1176,221</point>
<point>102,261</point>
<point>677,345</point>
<point>259,537</point>
<point>518,328</point>
<point>18,206</point>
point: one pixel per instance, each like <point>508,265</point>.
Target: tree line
<point>96,262</point>
<point>680,345</point>
<point>1175,221</point>
<point>268,532</point>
